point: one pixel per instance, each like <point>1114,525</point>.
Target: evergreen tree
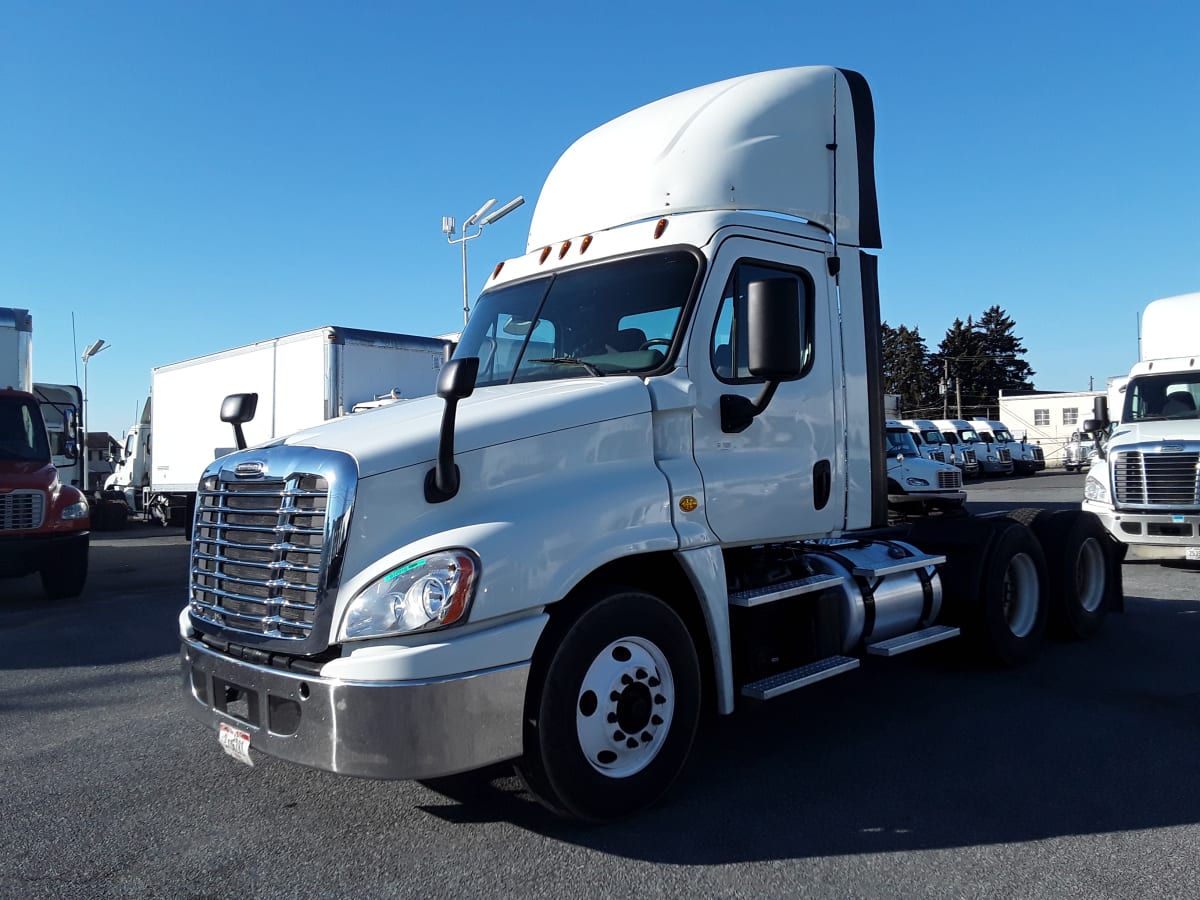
<point>906,368</point>
<point>981,359</point>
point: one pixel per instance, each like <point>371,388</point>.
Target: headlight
<point>916,482</point>
<point>75,511</point>
<point>1093,489</point>
<point>427,593</point>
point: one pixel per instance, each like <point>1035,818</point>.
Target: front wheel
<point>612,708</point>
<point>66,576</point>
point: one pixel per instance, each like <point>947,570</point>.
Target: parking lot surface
<point>922,776</point>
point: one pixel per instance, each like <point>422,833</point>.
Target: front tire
<point>66,576</point>
<point>612,708</point>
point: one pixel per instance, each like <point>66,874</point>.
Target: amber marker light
<point>660,228</point>
<point>584,244</point>
<point>563,249</point>
<point>496,271</point>
<point>545,253</point>
<point>688,503</point>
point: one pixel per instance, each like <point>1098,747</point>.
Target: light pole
<point>478,219</point>
<point>90,351</point>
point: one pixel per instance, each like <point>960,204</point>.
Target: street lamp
<point>478,219</point>
<point>91,350</point>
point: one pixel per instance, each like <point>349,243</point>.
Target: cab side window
<point>730,340</point>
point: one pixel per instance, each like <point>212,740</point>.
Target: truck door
<point>782,476</point>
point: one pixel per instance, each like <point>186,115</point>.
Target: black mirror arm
<point>737,412</point>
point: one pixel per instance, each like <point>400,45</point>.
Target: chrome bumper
<point>404,729</point>
<point>1150,535</point>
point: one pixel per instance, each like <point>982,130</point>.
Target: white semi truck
<point>652,482</point>
<point>916,484</point>
<point>1026,458</point>
<point>993,458</point>
<point>300,380</point>
<point>1143,482</point>
<point>934,445</point>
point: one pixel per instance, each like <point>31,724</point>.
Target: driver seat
<point>1178,403</point>
<point>626,340</point>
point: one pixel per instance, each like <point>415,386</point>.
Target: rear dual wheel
<point>612,708</point>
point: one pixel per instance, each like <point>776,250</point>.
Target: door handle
<point>822,483</point>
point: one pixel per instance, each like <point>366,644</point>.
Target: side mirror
<point>455,382</point>
<point>237,409</point>
<point>70,449</point>
<point>773,333</point>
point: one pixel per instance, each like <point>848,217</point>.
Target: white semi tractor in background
<point>300,380</point>
<point>917,484</point>
<point>934,445</point>
<point>1144,479</point>
<point>993,458</point>
<point>652,482</point>
<point>1026,458</point>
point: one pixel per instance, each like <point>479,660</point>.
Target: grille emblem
<point>250,470</point>
<point>1170,448</point>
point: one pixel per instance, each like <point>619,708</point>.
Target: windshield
<point>615,318</point>
<point>933,437</point>
<point>968,435</point>
<point>1171,395</point>
<point>22,434</point>
<point>1003,436</point>
<point>900,442</point>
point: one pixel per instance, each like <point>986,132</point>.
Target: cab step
<point>784,590</point>
<point>904,564</point>
<point>905,642</point>
<point>775,685</point>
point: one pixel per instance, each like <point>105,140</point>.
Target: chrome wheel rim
<point>625,707</point>
<point>1020,591</point>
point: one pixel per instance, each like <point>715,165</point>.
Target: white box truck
<point>652,482</point>
<point>301,380</point>
<point>1143,482</point>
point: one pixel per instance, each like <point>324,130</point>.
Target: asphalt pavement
<point>921,776</point>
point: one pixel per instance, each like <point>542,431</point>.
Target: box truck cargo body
<point>301,380</point>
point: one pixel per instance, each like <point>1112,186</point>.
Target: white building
<point>1047,418</point>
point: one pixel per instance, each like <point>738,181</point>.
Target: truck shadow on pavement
<point>922,752</point>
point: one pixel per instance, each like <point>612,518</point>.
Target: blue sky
<point>189,177</point>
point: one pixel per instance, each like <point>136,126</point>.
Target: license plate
<point>235,742</point>
<point>1193,554</point>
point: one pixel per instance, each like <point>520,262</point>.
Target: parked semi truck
<point>652,482</point>
<point>934,445</point>
<point>43,521</point>
<point>1026,458</point>
<point>300,380</point>
<point>916,484</point>
<point>1143,482</point>
<point>993,458</point>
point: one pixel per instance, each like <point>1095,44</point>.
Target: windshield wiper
<point>570,361</point>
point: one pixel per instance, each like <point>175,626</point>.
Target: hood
<point>1162,431</point>
<point>406,433</point>
<point>26,475</point>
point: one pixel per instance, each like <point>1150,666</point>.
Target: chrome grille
<point>968,457</point>
<point>1038,455</point>
<point>950,480</point>
<point>21,510</point>
<point>256,554</point>
<point>1157,479</point>
<point>1004,454</point>
<point>938,455</point>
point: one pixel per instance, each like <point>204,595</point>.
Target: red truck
<point>43,522</point>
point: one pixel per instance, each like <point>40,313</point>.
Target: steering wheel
<point>666,342</point>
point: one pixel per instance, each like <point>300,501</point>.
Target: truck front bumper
<point>1164,535</point>
<point>24,554</point>
<point>402,729</point>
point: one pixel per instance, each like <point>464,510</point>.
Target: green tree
<point>980,359</point>
<point>906,369</point>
